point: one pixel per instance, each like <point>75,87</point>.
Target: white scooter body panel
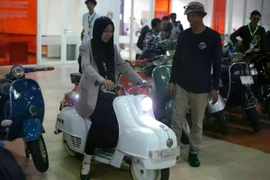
<point>75,128</point>
<point>140,133</point>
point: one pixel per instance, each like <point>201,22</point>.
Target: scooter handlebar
<point>30,70</point>
<point>143,84</point>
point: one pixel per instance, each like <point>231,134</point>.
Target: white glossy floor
<point>220,160</point>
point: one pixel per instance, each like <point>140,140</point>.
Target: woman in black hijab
<point>101,64</point>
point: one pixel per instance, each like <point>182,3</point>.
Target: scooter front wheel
<point>138,172</point>
<point>39,154</point>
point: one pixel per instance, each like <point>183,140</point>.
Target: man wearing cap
<point>89,20</point>
<point>192,84</point>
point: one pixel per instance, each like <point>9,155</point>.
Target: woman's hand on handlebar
<point>108,84</point>
<point>148,83</point>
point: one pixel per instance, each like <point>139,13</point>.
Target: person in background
<point>144,25</point>
<point>177,26</point>
<point>101,65</point>
<point>153,43</point>
<point>88,23</point>
<point>144,29</point>
<point>268,40</point>
<point>89,20</point>
<point>248,32</point>
<point>191,83</point>
<point>166,27</point>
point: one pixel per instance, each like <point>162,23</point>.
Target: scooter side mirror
<point>253,43</point>
<point>256,40</point>
<point>236,57</point>
<point>6,123</point>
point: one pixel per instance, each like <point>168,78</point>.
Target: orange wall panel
<point>219,16</point>
<point>18,31</point>
<point>162,8</point>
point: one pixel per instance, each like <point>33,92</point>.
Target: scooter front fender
<point>142,136</point>
<point>218,106</point>
<point>32,129</point>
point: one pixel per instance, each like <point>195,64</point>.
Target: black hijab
<point>103,53</point>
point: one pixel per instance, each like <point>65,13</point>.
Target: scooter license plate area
<point>165,153</point>
<point>246,80</point>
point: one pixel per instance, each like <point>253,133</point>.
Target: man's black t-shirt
<point>195,55</point>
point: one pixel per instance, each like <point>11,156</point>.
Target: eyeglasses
<point>256,19</point>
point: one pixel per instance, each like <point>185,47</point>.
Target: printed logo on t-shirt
<point>202,45</point>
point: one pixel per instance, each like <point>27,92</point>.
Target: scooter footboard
<point>161,163</point>
<point>32,129</point>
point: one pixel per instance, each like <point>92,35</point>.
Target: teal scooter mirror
<point>169,56</point>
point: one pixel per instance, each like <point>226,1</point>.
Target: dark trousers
<point>104,130</point>
<point>159,104</point>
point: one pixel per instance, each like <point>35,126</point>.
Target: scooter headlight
<point>146,103</point>
<point>17,71</point>
<point>253,72</point>
<point>252,65</point>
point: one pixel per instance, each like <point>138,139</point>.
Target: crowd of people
<point>163,32</point>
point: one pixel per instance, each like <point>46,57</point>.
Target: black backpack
<point>142,37</point>
<point>79,62</point>
<point>268,40</point>
<point>9,168</point>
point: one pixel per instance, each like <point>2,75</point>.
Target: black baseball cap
<point>92,1</point>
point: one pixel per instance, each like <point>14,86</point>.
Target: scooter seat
<point>75,78</point>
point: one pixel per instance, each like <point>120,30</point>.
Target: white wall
<point>237,13</point>
<point>51,16</point>
<point>103,7</point>
<point>178,8</point>
<point>266,14</point>
<point>139,6</point>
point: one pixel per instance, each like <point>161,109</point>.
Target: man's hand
<point>172,89</point>
<point>82,35</point>
<point>173,37</point>
<point>148,83</point>
<point>214,96</point>
<point>109,84</point>
<point>239,43</point>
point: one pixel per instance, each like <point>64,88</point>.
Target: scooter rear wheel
<point>138,172</point>
<point>253,116</point>
<point>221,122</point>
<point>39,154</point>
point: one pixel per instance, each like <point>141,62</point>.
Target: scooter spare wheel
<point>138,172</point>
<point>69,151</point>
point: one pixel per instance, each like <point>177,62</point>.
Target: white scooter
<point>149,144</point>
